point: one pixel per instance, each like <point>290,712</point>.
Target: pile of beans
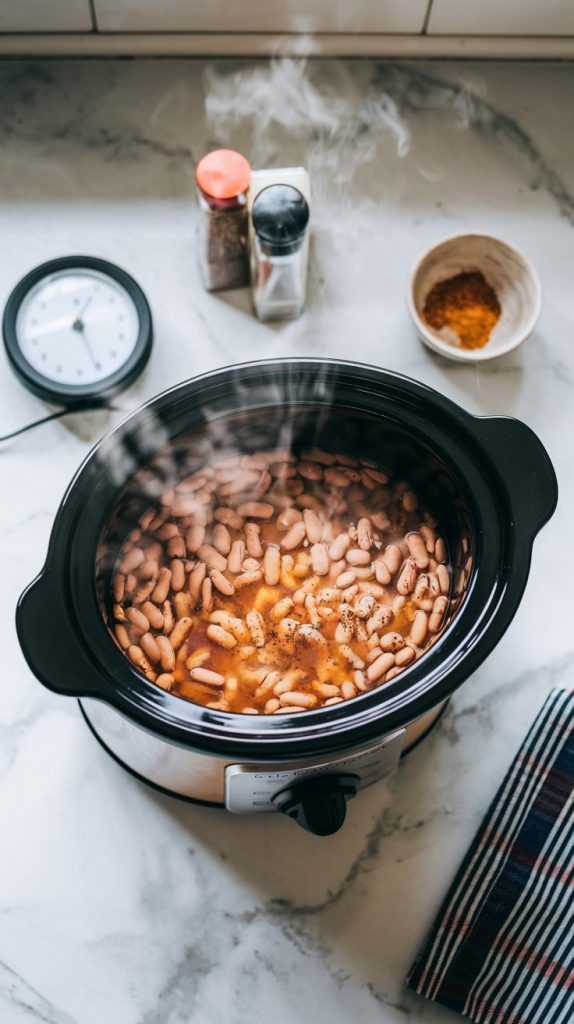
<point>276,583</point>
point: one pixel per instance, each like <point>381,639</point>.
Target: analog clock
<point>77,329</point>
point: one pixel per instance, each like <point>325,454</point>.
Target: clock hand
<point>86,304</point>
<point>89,349</point>
<point>79,326</point>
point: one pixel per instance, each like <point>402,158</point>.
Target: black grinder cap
<point>280,215</point>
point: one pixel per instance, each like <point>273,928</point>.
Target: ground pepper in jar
<point>466,306</point>
<point>222,179</point>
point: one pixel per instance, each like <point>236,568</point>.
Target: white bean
<point>438,612</point>
<point>256,627</point>
<point>348,690</point>
<point>196,578</point>
<point>364,606</point>
<point>380,666</point>
<point>294,536</point>
<point>404,657</point>
<point>286,518</point>
<point>310,471</point>
<point>212,558</point>
<point>194,538</point>
<point>407,578</point>
<point>346,579</point>
<point>159,594</point>
<point>207,595</point>
<point>252,531</point>
<point>180,631</point>
<point>311,633</point>
<point>320,559</point>
<point>267,685</point>
<point>182,604</point>
<point>206,676</point>
<point>419,628</point>
<point>167,653</point>
<point>250,565</point>
<point>443,578</point>
<point>377,476</point>
<point>356,556</point>
<point>221,539</point>
<point>339,546</point>
<point>272,565</point>
<point>359,680</point>
<point>417,549</point>
<point>429,537</point>
<point>255,510</point>
<point>220,636</point>
<point>328,595</point>
<point>350,656</point>
<point>177,574</point>
<point>229,517</point>
<point>281,609</point>
<point>440,550</point>
<point>221,583</point>
<point>236,556</point>
<point>392,558</point>
<point>365,534</point>
<point>246,579</point>
<point>299,700</point>
<point>325,689</point>
<point>313,526</point>
<point>232,624</point>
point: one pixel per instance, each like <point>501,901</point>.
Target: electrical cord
<point>69,410</point>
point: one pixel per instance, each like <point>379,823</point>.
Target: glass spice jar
<point>279,215</point>
<point>222,179</point>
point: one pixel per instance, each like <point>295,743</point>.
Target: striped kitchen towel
<point>501,950</point>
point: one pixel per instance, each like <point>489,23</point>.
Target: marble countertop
<point>120,905</point>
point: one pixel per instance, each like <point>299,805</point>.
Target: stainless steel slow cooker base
<point>240,787</point>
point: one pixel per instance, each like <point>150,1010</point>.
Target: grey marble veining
<point>117,904</point>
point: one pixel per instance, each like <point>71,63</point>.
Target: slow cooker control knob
<point>318,803</point>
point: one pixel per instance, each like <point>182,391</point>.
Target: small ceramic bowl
<point>513,277</point>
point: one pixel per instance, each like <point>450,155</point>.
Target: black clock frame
<point>77,394</point>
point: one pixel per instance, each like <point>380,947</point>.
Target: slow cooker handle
<point>525,469</point>
<point>50,644</point>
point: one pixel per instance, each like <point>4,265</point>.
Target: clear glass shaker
<point>280,214</point>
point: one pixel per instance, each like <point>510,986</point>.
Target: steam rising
<point>277,113</point>
<point>345,118</point>
<point>142,462</point>
<point>335,128</point>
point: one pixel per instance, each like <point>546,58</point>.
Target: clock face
<point>77,326</point>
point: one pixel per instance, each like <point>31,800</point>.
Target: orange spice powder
<point>467,305</point>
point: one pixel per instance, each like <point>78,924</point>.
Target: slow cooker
<point>488,481</point>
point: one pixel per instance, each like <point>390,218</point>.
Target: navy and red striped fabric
<point>501,950</point>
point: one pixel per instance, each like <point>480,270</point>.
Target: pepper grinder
<point>279,217</point>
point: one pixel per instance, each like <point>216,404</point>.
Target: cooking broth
<point>278,582</point>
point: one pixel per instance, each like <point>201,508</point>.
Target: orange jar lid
<point>223,174</point>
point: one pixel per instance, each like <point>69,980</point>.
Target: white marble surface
<point>124,907</point>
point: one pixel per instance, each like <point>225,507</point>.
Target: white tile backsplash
<point>303,16</point>
<point>42,16</point>
<point>509,17</point>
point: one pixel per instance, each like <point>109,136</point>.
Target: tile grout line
<point>92,5</point>
<point>424,30</point>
